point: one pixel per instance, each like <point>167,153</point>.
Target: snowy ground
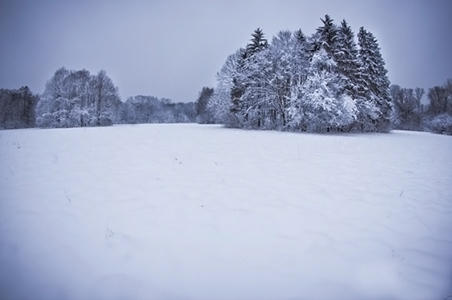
<point>203,212</point>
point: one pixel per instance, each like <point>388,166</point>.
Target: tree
<point>407,107</point>
<point>320,104</point>
<point>106,99</point>
<point>346,56</point>
<point>53,108</point>
<point>204,116</point>
<point>17,108</point>
<point>257,43</point>
<point>373,85</point>
<point>437,97</point>
<point>440,98</point>
<point>249,83</point>
<point>327,35</point>
<point>290,63</point>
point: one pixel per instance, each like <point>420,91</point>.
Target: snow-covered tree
<point>373,88</point>
<point>320,104</point>
<point>76,98</point>
<point>289,67</point>
<point>106,99</point>
<point>346,56</point>
<point>250,83</point>
<point>204,115</point>
<point>327,36</point>
<point>53,109</point>
<point>225,103</point>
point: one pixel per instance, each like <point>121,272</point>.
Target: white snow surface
<point>204,212</point>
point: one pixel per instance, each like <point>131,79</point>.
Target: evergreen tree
<point>346,55</point>
<point>327,35</point>
<point>202,111</point>
<point>373,84</point>
<point>257,43</point>
<point>299,35</point>
<point>249,82</point>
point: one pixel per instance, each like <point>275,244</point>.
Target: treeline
<point>79,99</point>
<point>325,82</point>
<point>410,114</point>
<point>149,109</point>
<point>319,83</point>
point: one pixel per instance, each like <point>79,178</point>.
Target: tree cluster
<point>439,110</point>
<point>410,114</point>
<point>318,83</point>
<point>17,108</point>
<point>78,99</point>
<point>440,98</point>
<point>408,110</point>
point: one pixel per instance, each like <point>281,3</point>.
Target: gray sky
<point>172,49</point>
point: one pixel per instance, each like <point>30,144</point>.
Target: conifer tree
<point>249,84</point>
<point>258,43</point>
<point>327,35</point>
<point>373,82</point>
<point>346,56</point>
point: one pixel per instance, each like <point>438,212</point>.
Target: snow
<point>204,212</point>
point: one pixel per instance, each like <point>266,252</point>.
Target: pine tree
<point>249,83</point>
<point>327,35</point>
<point>258,43</point>
<point>346,56</point>
<point>299,35</point>
<point>203,114</point>
<point>373,83</point>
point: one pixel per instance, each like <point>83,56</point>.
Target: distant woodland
<point>330,81</point>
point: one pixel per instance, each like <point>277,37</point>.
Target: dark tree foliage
<point>407,107</point>
<point>17,108</point>
<point>346,55</point>
<point>327,35</point>
<point>299,35</point>
<point>257,43</point>
<point>440,98</point>
<point>439,109</point>
<point>373,84</point>
<point>204,116</point>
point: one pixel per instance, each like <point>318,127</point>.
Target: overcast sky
<point>171,49</point>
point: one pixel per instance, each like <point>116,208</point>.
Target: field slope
<point>204,212</point>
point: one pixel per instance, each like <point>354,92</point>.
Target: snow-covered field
<point>204,212</point>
